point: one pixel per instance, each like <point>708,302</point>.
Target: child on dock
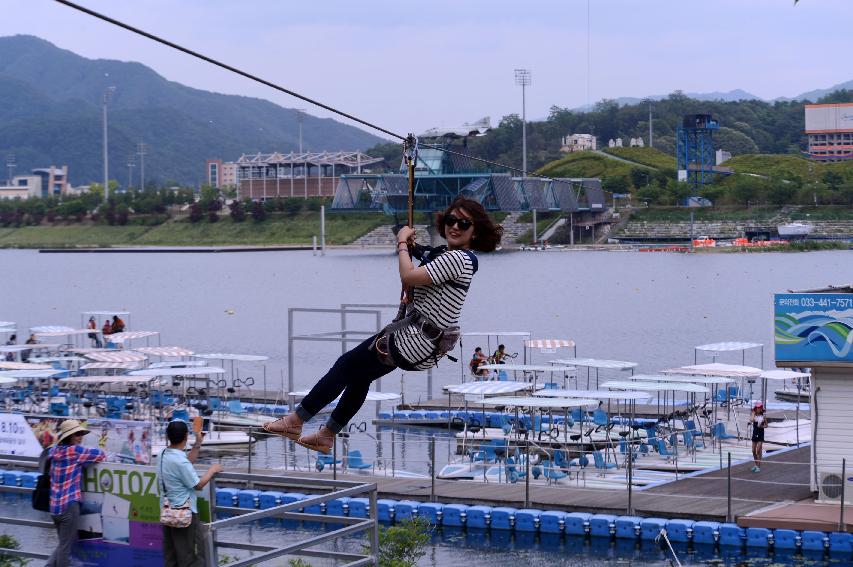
<point>759,423</point>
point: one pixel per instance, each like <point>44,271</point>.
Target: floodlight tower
<point>10,164</point>
<point>524,79</point>
<point>300,118</point>
<point>108,94</point>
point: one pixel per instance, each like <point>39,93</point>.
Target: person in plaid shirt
<point>66,471</point>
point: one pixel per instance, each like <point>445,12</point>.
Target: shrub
<point>293,205</point>
<point>238,214</point>
<point>196,213</point>
<point>212,216</point>
<point>401,545</point>
<point>259,212</point>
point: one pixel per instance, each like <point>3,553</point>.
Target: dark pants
<point>184,547</point>
<point>351,374</point>
<point>66,530</point>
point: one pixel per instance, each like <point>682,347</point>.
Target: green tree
<point>832,179</point>
<point>616,184</point>
<point>640,177</point>
<point>401,545</point>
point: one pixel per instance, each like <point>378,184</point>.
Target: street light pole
<point>524,79</point>
<point>300,117</point>
<point>108,93</point>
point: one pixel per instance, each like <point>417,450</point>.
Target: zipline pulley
<point>410,154</point>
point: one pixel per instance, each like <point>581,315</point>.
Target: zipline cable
<point>225,66</point>
<point>279,88</point>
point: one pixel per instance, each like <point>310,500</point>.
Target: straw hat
<point>68,428</point>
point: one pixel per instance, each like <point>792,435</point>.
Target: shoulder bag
<point>173,516</point>
<point>41,494</point>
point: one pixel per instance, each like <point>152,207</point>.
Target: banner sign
<point>813,327</point>
<point>121,513</point>
<point>123,441</point>
<point>17,437</point>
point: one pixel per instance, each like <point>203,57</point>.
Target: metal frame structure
<point>261,176</point>
<point>338,489</point>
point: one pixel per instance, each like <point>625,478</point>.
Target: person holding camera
<point>183,547</point>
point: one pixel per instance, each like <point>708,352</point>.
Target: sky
<point>412,66</point>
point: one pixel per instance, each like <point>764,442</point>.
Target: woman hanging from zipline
<point>417,339</point>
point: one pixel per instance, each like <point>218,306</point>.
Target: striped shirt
<point>441,302</point>
<point>66,471</point>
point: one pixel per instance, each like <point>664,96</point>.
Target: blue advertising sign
<point>813,327</point>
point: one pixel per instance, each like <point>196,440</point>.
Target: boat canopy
<point>595,394</point>
<point>783,375</point>
<point>6,324</point>
<point>113,355</point>
<point>488,388</point>
<point>164,351</point>
<point>549,343</point>
<point>676,378</point>
<point>728,346</point>
<point>31,373</point>
<point>109,365</point>
<point>12,365</point>
<point>7,379</point>
<point>371,396</point>
<point>656,386</point>
<point>46,359</point>
<point>130,335</point>
<point>66,333</point>
<point>122,379</point>
<point>36,346</point>
<point>106,312</point>
<point>237,357</point>
<point>201,371</point>
<point>178,364</point>
<point>528,368</point>
<point>497,334</point>
<point>60,329</point>
<point>537,402</point>
<point>596,363</point>
<point>717,369</point>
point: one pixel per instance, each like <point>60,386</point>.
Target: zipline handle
<point>410,153</point>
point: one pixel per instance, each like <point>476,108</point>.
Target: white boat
<point>794,229</point>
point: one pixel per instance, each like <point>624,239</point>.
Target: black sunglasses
<point>463,224</point>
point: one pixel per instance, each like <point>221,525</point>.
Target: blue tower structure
<point>695,151</point>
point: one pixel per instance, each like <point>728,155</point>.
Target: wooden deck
<point>700,496</point>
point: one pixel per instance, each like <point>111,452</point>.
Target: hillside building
<point>721,156</point>
<point>42,182</point>
<point>829,128</point>
<point>578,143</point>
<point>221,174</point>
<point>306,174</point>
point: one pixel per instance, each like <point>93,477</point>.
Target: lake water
<point>648,308</point>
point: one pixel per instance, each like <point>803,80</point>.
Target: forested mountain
<point>50,113</point>
<point>747,127</point>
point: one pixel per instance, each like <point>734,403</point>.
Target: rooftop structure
<point>42,182</point>
<point>829,128</point>
<point>577,143</point>
<point>441,176</point>
<point>305,174</point>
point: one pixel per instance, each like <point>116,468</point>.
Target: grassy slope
<point>782,165</point>
<point>585,164</point>
<point>645,156</point>
<point>340,229</point>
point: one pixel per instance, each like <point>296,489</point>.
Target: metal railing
<point>339,489</point>
<point>240,516</point>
